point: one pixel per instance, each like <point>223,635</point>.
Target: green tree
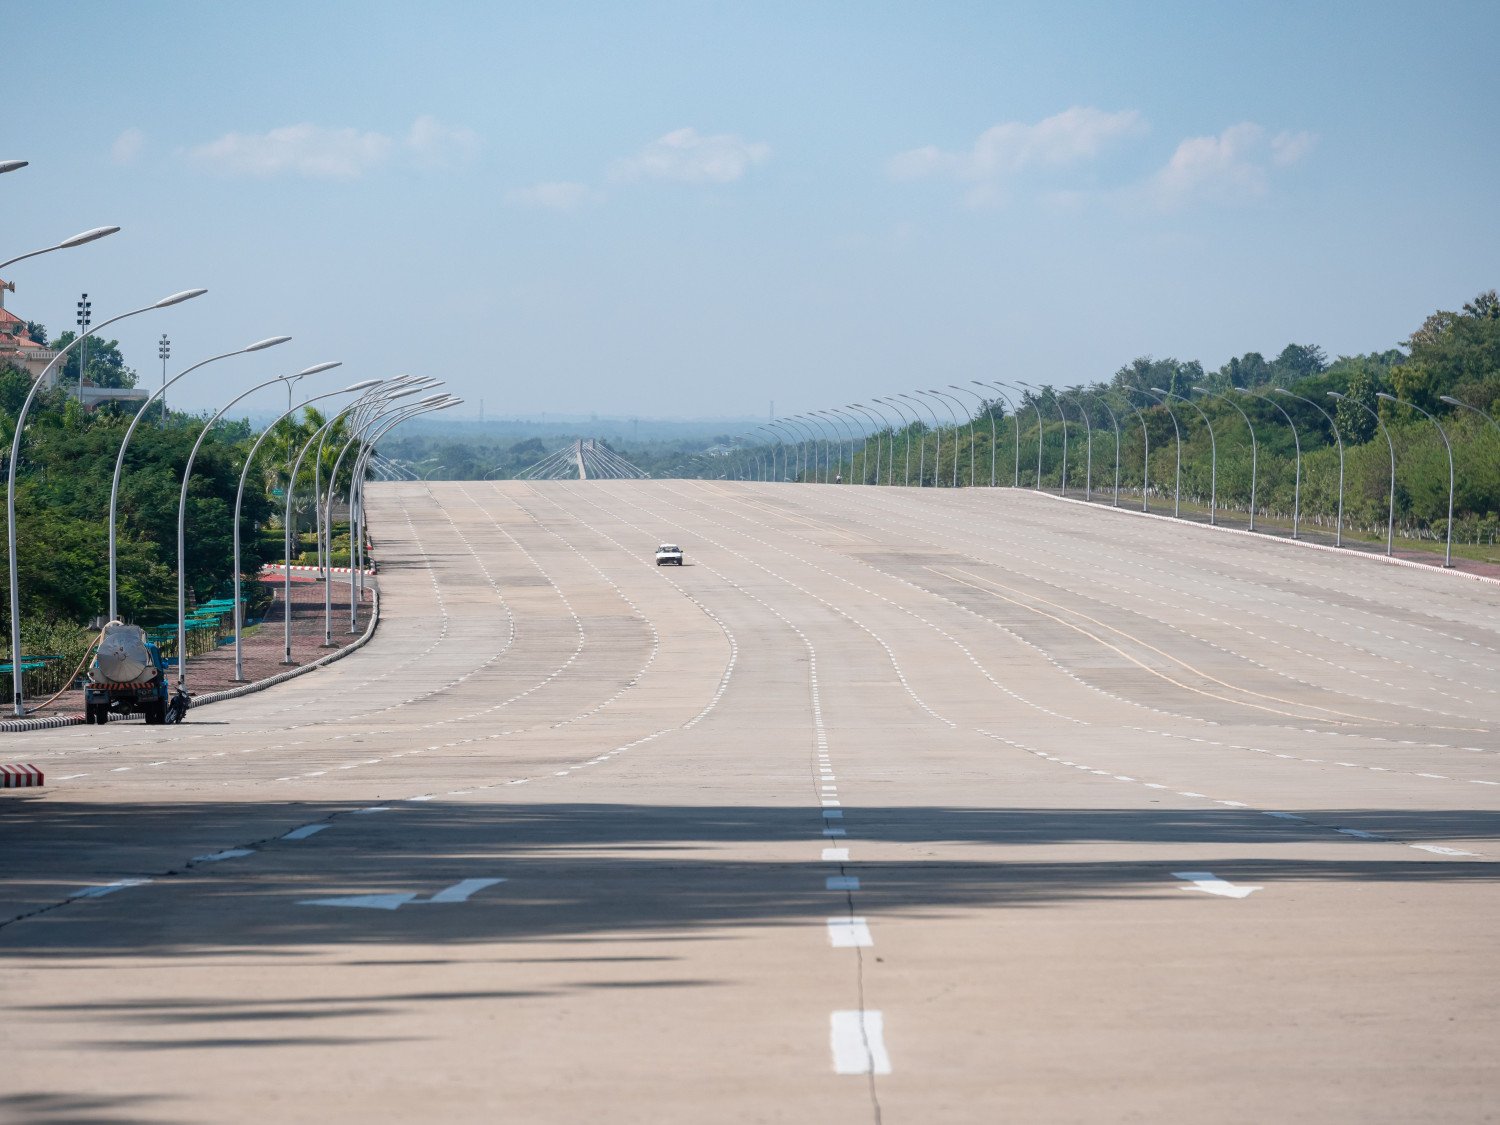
<point>106,366</point>
<point>1299,361</point>
<point>1355,422</point>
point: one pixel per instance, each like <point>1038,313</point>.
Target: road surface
<point>890,805</point>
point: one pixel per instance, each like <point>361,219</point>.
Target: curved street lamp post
<point>1338,527</point>
<point>15,456</point>
<point>187,474</point>
<point>1254,445</point>
<point>239,497</point>
<point>954,413</point>
<point>1177,493</point>
<point>1448,553</point>
<point>1213,454</point>
<point>1015,423</point>
<point>114,488</point>
<point>1390,526</point>
<point>1115,423</point>
<point>1297,444</point>
<point>937,457</point>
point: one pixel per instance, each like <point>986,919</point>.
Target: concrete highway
<point>889,806</point>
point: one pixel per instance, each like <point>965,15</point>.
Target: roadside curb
<point>20,725</point>
<point>1262,538</point>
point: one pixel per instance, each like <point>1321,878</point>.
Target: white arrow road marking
<point>367,902</point>
<point>845,933</point>
<point>1439,850</point>
<point>460,892</point>
<point>1210,883</point>
<point>858,1041</point>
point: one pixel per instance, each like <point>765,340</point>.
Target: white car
<point>669,554</point>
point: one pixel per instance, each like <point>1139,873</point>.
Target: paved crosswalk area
<point>889,805</point>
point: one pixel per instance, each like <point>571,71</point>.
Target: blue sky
<point>691,209</point>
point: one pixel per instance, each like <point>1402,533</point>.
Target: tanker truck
<point>127,675</point>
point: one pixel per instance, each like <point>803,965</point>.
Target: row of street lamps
<point>802,431</point>
<point>372,416</point>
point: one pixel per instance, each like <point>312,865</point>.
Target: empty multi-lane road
<point>890,805</point>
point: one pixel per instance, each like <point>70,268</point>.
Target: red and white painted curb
<point>20,777</point>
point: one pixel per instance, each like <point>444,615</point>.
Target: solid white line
<point>858,1042</point>
<point>305,831</point>
<point>848,933</point>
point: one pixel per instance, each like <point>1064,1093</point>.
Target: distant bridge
<point>582,459</point>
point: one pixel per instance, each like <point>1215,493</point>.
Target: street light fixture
<point>1021,397</point>
<point>869,415</point>
<point>187,474</point>
<point>1451,401</point>
<point>973,478</point>
<point>1213,454</point>
<point>65,244</point>
<point>1063,480</point>
<point>906,442</point>
<point>1338,527</point>
<point>1390,526</point>
<point>1115,424</point>
<point>1015,423</point>
<point>10,489</point>
<point>1297,444</point>
<point>373,408</point>
<point>114,488</point>
<point>1088,432</point>
<point>1448,554</point>
<point>945,398</point>
<point>1254,446</point>
<point>239,497</point>
<point>1177,491</point>
<point>164,349</point>
<point>937,458</point>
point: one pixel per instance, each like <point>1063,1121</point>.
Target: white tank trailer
<point>127,675</point>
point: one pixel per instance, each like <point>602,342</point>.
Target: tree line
<point>1453,355</point>
<point>64,476</point>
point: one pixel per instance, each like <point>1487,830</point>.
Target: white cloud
<point>305,150</point>
<point>690,157</point>
<point>325,153</point>
<point>127,147</point>
<point>1288,148</point>
<point>440,146</point>
<point>554,196</point>
<point>1074,136</point>
<point>1229,168</point>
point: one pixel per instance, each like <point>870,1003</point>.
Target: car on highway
<point>669,554</point>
